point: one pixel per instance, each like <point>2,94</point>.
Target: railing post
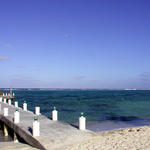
<point>54,114</point>
<point>16,116</point>
<point>5,111</point>
<point>82,122</point>
<point>5,100</point>
<point>9,101</point>
<point>36,127</point>
<point>25,106</point>
<point>1,99</point>
<point>16,104</point>
<point>37,110</point>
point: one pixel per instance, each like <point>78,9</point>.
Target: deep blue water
<point>97,105</point>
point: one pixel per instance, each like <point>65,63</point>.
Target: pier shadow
<point>49,118</point>
<point>30,130</point>
<point>75,126</point>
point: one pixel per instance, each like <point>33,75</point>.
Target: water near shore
<point>104,109</point>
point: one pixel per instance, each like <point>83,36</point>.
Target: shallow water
<point>112,125</point>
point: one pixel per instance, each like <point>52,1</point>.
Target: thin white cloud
<point>67,35</point>
<point>8,45</point>
<point>79,77</point>
<point>25,81</point>
<point>21,67</point>
<point>23,78</point>
<point>3,58</point>
<point>145,76</point>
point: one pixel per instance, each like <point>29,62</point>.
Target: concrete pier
<point>54,135</point>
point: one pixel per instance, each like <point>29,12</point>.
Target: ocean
<point>103,109</point>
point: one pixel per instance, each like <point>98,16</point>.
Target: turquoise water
<point>97,105</point>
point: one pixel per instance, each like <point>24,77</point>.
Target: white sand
<point>137,138</point>
<point>15,146</point>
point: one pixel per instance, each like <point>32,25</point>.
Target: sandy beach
<point>15,146</point>
<point>137,138</point>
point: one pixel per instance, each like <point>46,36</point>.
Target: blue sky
<point>75,43</point>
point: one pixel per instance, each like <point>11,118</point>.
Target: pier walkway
<point>54,135</point>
